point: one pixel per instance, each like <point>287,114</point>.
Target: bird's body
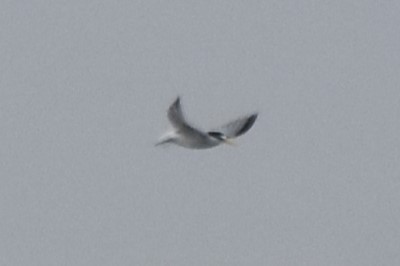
<point>195,140</point>
<point>183,134</point>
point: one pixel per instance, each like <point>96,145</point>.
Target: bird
<point>185,135</point>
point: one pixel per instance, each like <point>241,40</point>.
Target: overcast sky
<point>84,89</point>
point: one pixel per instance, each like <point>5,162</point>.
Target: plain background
<point>84,89</point>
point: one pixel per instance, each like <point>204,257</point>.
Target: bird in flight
<point>185,135</point>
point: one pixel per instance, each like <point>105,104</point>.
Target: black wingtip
<point>249,123</point>
<point>176,103</point>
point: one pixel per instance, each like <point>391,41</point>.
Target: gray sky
<point>84,90</point>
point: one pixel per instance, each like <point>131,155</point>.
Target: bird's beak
<point>229,142</point>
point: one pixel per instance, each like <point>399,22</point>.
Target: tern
<point>185,135</point>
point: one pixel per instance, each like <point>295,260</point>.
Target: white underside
<point>188,141</point>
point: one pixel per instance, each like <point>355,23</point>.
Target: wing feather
<point>177,119</point>
<point>239,126</point>
<point>175,114</point>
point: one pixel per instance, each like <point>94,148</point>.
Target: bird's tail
<point>166,138</point>
<point>161,142</point>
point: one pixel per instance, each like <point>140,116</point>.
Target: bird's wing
<point>175,114</point>
<point>176,117</point>
<point>239,126</point>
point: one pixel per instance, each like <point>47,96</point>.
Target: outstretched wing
<point>239,126</point>
<point>175,114</point>
<point>177,119</point>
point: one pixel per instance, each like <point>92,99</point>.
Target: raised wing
<point>175,114</point>
<point>238,127</point>
<point>177,119</point>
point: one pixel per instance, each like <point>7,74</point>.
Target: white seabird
<point>185,135</point>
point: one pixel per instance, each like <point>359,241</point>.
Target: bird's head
<point>220,137</point>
